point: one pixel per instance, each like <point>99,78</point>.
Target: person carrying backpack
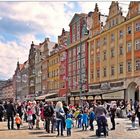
<point>48,115</point>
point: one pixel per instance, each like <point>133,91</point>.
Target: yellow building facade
<point>53,72</point>
<point>114,54</point>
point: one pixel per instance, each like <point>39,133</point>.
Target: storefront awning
<point>51,94</point>
<point>45,96</point>
<point>56,99</point>
<point>114,95</point>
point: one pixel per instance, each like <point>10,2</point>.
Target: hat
<point>68,116</point>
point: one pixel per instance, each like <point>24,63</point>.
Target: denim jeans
<point>68,131</point>
<point>79,123</point>
<point>101,122</point>
<point>133,124</point>
<point>60,123</point>
<point>10,118</point>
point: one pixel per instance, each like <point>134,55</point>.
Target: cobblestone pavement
<point>123,130</point>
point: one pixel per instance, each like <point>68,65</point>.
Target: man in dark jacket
<point>10,114</point>
<point>48,114</point>
<point>100,113</point>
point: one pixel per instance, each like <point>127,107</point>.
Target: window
<point>98,43</point>
<point>138,26</point>
<point>113,22</point>
<point>104,72</point>
<point>129,30</point>
<point>104,41</point>
<point>112,70</point>
<point>73,33</point>
<point>137,44</point>
<point>112,52</point>
<point>92,74</point>
<point>137,64</point>
<point>129,46</point>
<point>120,34</point>
<point>98,57</point>
<point>104,55</point>
<point>78,31</point>
<point>129,66</point>
<point>121,50</point>
<point>69,53</point>
<point>112,37</point>
<point>98,73</point>
<point>121,68</point>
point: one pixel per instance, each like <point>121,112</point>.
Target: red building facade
<point>78,40</point>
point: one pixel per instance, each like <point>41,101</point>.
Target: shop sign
<point>114,95</point>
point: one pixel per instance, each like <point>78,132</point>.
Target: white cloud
<point>47,18</point>
<point>50,16</point>
<point>9,54</point>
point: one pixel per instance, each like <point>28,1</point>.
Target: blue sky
<point>24,22</point>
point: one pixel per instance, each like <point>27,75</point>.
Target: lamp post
<point>85,32</point>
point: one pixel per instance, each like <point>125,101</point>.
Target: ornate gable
<point>115,15</point>
<point>134,9</point>
<point>74,19</point>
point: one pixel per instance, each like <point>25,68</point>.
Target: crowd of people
<point>60,116</point>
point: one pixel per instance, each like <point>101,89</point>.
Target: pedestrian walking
<point>29,117</point>
<point>69,124</point>
<point>138,113</point>
<point>113,108</point>
<point>91,118</point>
<point>10,115</point>
<point>18,121</point>
<point>80,116</point>
<point>85,120</point>
<point>100,114</point>
<point>48,114</point>
<point>133,119</point>
<point>60,116</point>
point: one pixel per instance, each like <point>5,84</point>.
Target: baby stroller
<point>103,122</point>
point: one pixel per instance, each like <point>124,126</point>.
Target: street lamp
<point>85,32</point>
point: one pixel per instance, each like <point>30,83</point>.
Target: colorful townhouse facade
<point>62,42</point>
<point>77,53</point>
<point>114,54</point>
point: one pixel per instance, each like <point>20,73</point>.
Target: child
<point>30,118</point>
<point>18,121</point>
<point>85,120</point>
<point>91,118</point>
<point>79,117</point>
<point>69,123</point>
<point>133,118</point>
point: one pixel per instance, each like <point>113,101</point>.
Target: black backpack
<point>48,111</point>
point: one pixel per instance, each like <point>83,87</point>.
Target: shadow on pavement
<point>36,132</point>
<point>94,137</point>
<point>4,130</point>
<point>47,135</point>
